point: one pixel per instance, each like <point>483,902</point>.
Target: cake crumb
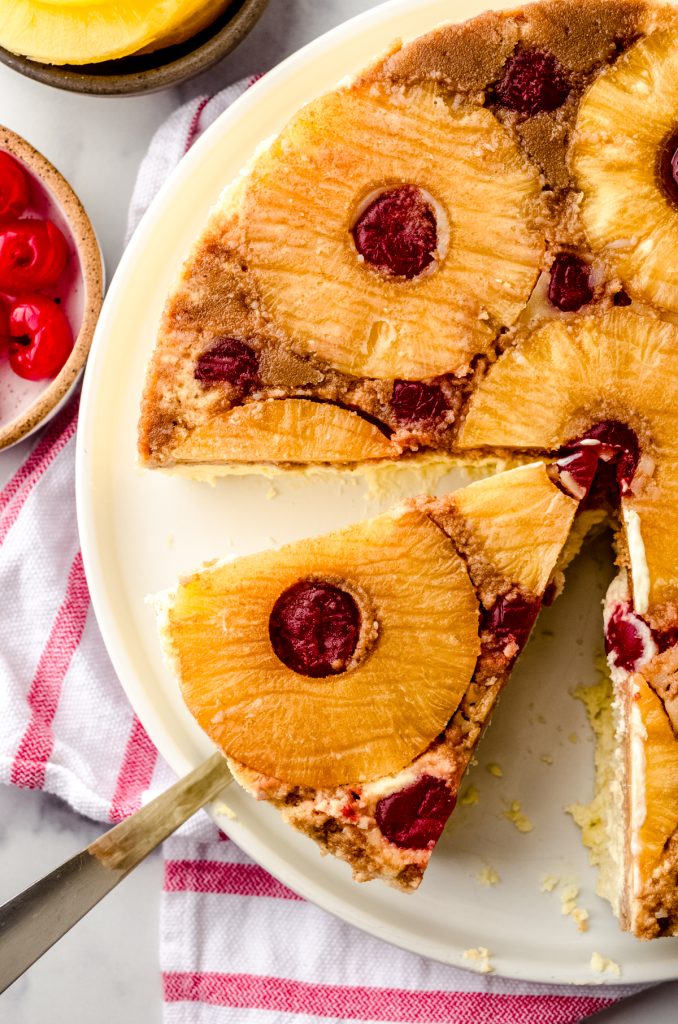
<point>546,758</point>
<point>603,965</point>
<point>568,898</point>
<point>573,737</point>
<point>488,876</point>
<point>514,814</point>
<point>569,907</point>
<point>480,957</point>
<point>580,916</point>
<point>271,493</point>
<point>470,796</point>
<point>220,807</point>
<point>549,883</point>
<point>496,770</point>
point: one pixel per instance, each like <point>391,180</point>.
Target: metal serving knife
<point>35,919</point>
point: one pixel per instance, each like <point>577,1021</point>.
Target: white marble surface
<point>106,970</point>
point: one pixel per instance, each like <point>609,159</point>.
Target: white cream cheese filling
<point>640,574</point>
<point>389,784</point>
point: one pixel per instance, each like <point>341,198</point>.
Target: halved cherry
<point>41,338</point>
<point>414,401</point>
<point>415,817</point>
<point>625,638</point>
<point>608,444</point>
<point>397,233</point>
<point>314,628</point>
<point>512,618</point>
<point>533,80</point>
<point>33,254</point>
<point>570,284</point>
<point>15,187</point>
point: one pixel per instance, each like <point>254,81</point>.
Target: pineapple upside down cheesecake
<point>468,250</point>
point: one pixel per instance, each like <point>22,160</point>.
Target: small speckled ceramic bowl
<point>26,405</point>
<point>152,71</point>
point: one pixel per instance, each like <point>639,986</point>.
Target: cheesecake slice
<point>348,678</point>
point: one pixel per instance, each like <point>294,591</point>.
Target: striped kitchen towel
<point>236,946</point>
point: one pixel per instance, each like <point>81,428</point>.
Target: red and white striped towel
<point>236,945</point>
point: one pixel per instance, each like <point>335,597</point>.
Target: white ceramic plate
<point>141,529</point>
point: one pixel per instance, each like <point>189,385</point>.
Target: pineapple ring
<point>566,376</point>
<point>374,718</point>
<point>307,190</point>
<point>624,122</point>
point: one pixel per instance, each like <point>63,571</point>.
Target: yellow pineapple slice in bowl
<point>195,16</point>
<point>84,32</point>
<point>391,234</point>
<point>331,660</point>
<point>609,377</point>
<point>293,430</point>
<point>625,160</point>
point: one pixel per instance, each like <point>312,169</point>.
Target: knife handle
<point>35,919</point>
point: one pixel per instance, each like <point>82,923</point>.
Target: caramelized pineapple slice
<point>519,521</point>
<point>625,139</point>
<point>659,776</point>
<point>391,234</point>
<point>566,377</point>
<point>293,430</point>
<point>331,660</point>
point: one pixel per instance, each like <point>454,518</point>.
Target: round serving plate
<point>141,529</point>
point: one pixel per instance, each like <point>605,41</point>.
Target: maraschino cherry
<point>415,402</point>
<point>533,81</point>
<point>41,337</point>
<point>15,189</point>
<point>314,628</point>
<point>397,233</point>
<point>33,254</point>
<point>415,817</point>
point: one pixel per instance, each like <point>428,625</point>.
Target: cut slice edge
<point>631,827</point>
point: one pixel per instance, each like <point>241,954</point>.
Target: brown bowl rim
<point>215,42</point>
<point>92,270</point>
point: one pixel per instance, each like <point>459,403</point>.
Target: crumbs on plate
<point>480,958</point>
<point>514,814</point>
<point>602,965</point>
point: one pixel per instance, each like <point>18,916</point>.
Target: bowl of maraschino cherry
<point>51,288</point>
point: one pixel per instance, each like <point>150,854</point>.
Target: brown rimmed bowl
<point>53,393</point>
<point>153,71</point>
